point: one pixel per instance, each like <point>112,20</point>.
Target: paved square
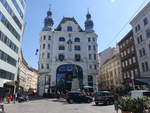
<point>56,106</point>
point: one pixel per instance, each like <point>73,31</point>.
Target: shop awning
<point>143,81</point>
<point>10,83</point>
<point>3,81</point>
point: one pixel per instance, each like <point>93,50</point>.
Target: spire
<point>48,21</point>
<point>89,23</point>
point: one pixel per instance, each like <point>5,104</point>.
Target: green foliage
<point>125,103</point>
<point>133,105</point>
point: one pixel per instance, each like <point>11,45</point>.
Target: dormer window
<point>69,29</point>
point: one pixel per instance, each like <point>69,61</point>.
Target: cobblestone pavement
<point>56,106</point>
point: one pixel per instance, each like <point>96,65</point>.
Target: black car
<point>104,97</point>
<point>78,97</point>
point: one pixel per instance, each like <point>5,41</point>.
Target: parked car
<point>139,93</point>
<point>104,97</point>
<point>78,97</point>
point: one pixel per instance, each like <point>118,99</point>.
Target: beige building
<point>31,80</point>
<point>27,76</point>
<point>110,75</point>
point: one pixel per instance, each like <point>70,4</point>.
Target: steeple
<point>89,23</point>
<point>48,21</point>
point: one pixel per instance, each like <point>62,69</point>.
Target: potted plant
<point>125,104</point>
<point>139,105</point>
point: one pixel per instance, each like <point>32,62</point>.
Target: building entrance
<point>65,74</point>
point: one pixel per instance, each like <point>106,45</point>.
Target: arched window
<point>61,39</point>
<point>69,28</point>
<point>77,39</point>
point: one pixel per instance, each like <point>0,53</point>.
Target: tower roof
<point>65,19</point>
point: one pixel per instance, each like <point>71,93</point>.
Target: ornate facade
<point>66,50</point>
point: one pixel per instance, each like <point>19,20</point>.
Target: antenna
<point>88,10</point>
<point>50,6</point>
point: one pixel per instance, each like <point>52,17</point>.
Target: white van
<point>139,93</point>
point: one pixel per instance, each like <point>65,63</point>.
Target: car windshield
<point>146,94</point>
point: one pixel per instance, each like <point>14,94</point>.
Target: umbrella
<point>87,87</point>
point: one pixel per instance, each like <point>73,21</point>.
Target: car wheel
<point>96,103</point>
<point>70,101</point>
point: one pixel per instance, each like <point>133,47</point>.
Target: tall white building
<point>141,29</point>
<point>11,31</point>
<point>66,50</point>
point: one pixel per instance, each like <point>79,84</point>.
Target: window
<point>61,57</point>
<point>77,57</point>
<point>132,48</point>
<point>149,46</point>
<point>49,37</point>
<point>8,42</point>
<point>137,28</point>
<point>9,26</point>
<point>18,8</point>
<point>89,39</point>
<point>43,46</point>
<point>148,33</point>
<point>48,55</point>
<point>47,66</point>
<point>143,67</point>
<point>142,52</point>
<point>94,47</point>
<point>130,61</point>
<point>93,39</point>
<point>90,56</point>
<point>6,75</point>
<point>43,54</point>
<point>126,63</point>
<point>139,39</point>
<point>42,66</point>
<point>44,37</point>
<point>62,39</point>
<point>89,47</point>
<point>133,60</point>
<point>6,58</point>
<point>77,48</point>
<point>48,46</point>
<point>61,47</point>
<point>95,67</point>
<point>146,66</point>
<point>90,66</point>
<point>12,14</point>
<point>94,56</point>
<point>69,28</point>
<point>77,39</point>
<point>145,21</point>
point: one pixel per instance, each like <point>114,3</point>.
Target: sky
<point>109,17</point>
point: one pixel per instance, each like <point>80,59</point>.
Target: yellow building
<point>110,75</point>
